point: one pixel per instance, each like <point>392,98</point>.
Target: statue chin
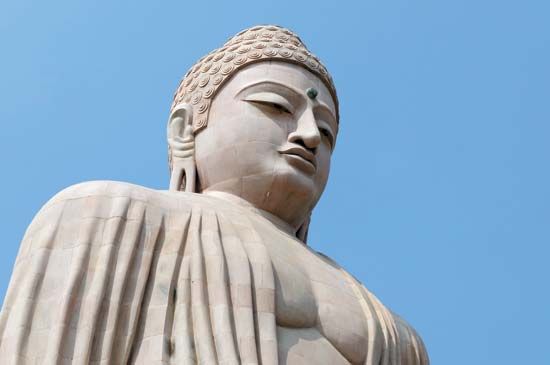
<point>288,194</point>
<point>214,270</point>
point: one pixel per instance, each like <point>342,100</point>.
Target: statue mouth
<point>302,158</point>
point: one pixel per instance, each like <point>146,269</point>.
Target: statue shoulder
<point>106,190</point>
<point>411,340</point>
<point>79,212</point>
<point>100,188</point>
<point>107,199</point>
<point>405,337</point>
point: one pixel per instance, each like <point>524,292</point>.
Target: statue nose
<point>307,133</point>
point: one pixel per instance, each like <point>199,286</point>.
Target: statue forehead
<point>253,45</point>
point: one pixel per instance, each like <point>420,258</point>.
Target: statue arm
<point>84,258</point>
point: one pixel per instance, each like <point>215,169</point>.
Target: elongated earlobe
<point>181,141</point>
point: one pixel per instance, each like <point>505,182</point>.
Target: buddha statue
<point>215,270</point>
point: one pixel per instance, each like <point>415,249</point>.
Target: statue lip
<point>300,152</point>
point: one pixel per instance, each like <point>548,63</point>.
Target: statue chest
<point>317,307</point>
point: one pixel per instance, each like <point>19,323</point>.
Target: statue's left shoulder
<point>401,337</point>
<point>411,343</point>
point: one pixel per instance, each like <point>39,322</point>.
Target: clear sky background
<point>439,197</point>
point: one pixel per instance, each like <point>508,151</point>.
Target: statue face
<point>269,137</point>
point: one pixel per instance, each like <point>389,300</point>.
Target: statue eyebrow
<point>276,84</point>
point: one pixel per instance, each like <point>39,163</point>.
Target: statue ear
<point>181,141</point>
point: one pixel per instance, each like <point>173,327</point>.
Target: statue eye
<point>281,108</point>
<point>271,100</point>
<point>328,135</point>
<point>278,107</point>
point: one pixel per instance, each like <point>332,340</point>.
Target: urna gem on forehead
<point>252,45</point>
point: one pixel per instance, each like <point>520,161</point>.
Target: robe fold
<point>113,273</point>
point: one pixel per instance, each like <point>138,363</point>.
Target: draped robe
<point>113,273</point>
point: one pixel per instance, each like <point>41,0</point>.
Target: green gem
<point>312,93</point>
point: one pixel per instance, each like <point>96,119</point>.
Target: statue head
<point>258,119</point>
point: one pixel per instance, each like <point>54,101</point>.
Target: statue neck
<point>280,223</point>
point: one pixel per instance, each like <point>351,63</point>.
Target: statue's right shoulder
<point>106,200</point>
<point>72,210</point>
<point>100,188</point>
<point>108,190</point>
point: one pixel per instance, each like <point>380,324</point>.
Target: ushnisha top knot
<point>256,44</point>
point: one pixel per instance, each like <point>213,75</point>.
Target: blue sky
<point>439,196</point>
